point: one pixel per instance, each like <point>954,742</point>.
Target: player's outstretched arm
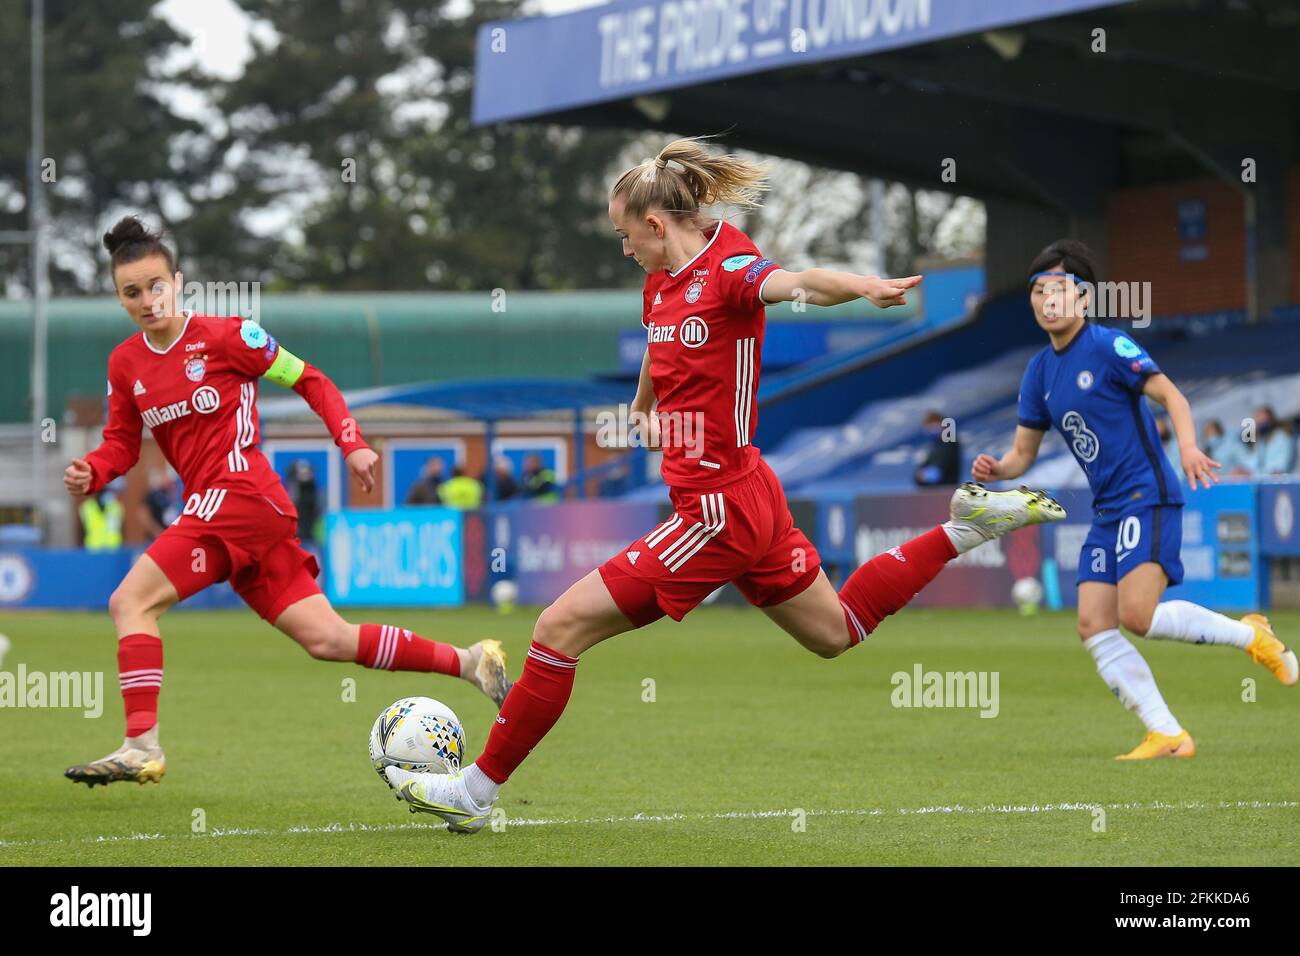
<point>119,450</point>
<point>1197,465</point>
<point>643,404</point>
<point>1014,463</point>
<point>825,287</point>
<point>329,405</point>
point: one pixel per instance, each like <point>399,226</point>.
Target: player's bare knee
<point>1136,620</point>
<point>1092,626</point>
<point>827,651</point>
<point>559,630</point>
<point>319,639</point>
<point>555,629</point>
<point>830,644</point>
<point>124,605</point>
<point>322,647</point>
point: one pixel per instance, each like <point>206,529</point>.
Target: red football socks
<point>139,673</point>
<point>385,647</point>
<point>888,581</point>
<point>531,709</point>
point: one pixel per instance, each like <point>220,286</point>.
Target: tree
<point>365,108</point>
<point>115,144</point>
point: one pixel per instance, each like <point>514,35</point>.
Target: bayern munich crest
<point>694,291</point>
<point>194,369</point>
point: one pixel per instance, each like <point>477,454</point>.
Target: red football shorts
<point>741,532</point>
<point>244,537</point>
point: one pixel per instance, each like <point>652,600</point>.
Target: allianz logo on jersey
<point>694,332</point>
<point>205,401</point>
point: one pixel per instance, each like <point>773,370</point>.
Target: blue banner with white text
<point>1222,568</point>
<point>400,557</point>
<point>630,47</point>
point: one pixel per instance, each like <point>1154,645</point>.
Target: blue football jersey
<point>1091,391</point>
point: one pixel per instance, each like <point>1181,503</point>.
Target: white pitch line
<point>955,809</point>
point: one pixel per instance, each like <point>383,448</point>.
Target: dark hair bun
<point>129,229</point>
<point>130,241</point>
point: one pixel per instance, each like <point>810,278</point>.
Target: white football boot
<point>139,759</point>
<point>442,794</point>
<point>992,514</point>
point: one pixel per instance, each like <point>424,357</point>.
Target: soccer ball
<point>417,734</point>
<point>504,594</point>
<point>1028,594</point>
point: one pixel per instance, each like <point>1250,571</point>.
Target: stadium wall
<point>1232,534</point>
<point>283,444</point>
<point>1188,239</point>
<point>372,339</point>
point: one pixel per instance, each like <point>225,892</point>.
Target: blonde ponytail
<point>685,176</point>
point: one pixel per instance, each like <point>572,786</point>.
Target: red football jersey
<point>198,397</point>
<point>704,331</point>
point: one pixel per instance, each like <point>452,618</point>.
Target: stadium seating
<point>1226,374</point>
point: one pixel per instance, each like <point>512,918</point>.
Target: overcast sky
<point>219,29</point>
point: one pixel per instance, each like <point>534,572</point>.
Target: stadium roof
<point>1042,108</point>
<point>632,47</point>
<point>1016,90</point>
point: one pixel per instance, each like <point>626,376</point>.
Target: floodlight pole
<point>37,220</point>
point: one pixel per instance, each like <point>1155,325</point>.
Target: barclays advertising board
<point>406,556</point>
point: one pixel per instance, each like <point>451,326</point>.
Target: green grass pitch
<point>745,730</point>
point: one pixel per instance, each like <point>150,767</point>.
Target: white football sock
<point>1130,679</point>
<point>482,788</point>
<point>1185,621</point>
<point>963,536</point>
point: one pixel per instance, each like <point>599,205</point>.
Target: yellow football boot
<point>1162,745</point>
<point>487,670</point>
<point>1264,648</point>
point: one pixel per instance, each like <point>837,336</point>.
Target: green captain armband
<point>286,369</point>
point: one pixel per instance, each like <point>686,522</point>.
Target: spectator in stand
<point>1293,429</point>
<point>425,489</point>
<point>1227,450</point>
<point>504,474</point>
<point>101,518</point>
<point>539,482</point>
<point>1275,445</point>
<point>161,505</point>
<point>942,462</point>
<point>305,495</point>
<point>461,491</point>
